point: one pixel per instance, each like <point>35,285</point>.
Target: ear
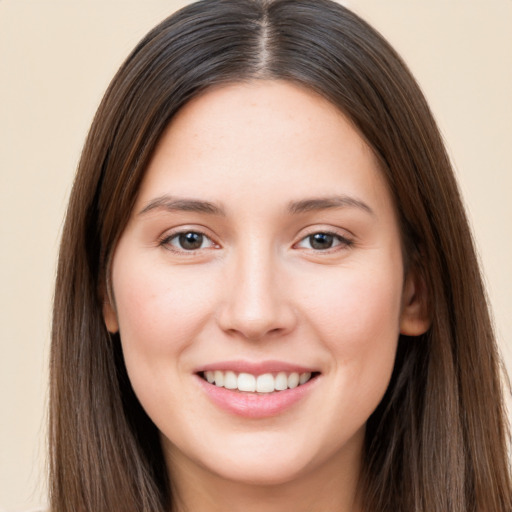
<point>110,317</point>
<point>415,317</point>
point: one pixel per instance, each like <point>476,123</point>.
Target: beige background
<point>57,57</point>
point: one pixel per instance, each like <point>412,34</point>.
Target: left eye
<point>323,241</point>
<point>188,241</point>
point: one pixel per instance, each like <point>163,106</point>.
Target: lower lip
<point>256,405</point>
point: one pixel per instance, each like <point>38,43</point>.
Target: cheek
<point>358,306</point>
<point>160,311</point>
<point>356,317</point>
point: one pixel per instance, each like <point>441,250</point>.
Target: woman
<point>267,295</point>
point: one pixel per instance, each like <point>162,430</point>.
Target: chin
<point>259,460</point>
<point>261,472</point>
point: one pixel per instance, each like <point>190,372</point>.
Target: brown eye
<point>321,241</point>
<point>188,241</point>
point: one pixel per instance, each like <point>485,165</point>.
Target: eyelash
<point>343,241</point>
<point>166,241</point>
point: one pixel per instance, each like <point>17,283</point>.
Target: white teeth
<point>219,378</point>
<point>304,377</point>
<point>293,380</point>
<point>230,380</point>
<point>246,382</point>
<point>281,381</point>
<point>265,383</point>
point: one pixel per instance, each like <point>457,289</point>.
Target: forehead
<point>263,108</point>
<point>251,139</point>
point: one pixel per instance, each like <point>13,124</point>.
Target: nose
<point>256,303</point>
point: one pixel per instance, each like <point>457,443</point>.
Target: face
<point>258,286</point>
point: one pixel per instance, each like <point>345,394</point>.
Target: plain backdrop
<point>56,59</point>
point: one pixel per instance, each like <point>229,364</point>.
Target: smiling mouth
<point>264,383</point>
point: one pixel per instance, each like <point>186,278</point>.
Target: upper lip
<point>255,368</point>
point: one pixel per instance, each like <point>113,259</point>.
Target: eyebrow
<point>325,203</point>
<point>173,204</point>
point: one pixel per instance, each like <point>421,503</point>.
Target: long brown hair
<point>438,440</point>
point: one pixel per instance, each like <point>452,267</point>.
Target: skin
<point>258,290</point>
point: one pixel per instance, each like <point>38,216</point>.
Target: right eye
<point>188,241</point>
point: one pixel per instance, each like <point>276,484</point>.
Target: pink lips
<point>254,405</point>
